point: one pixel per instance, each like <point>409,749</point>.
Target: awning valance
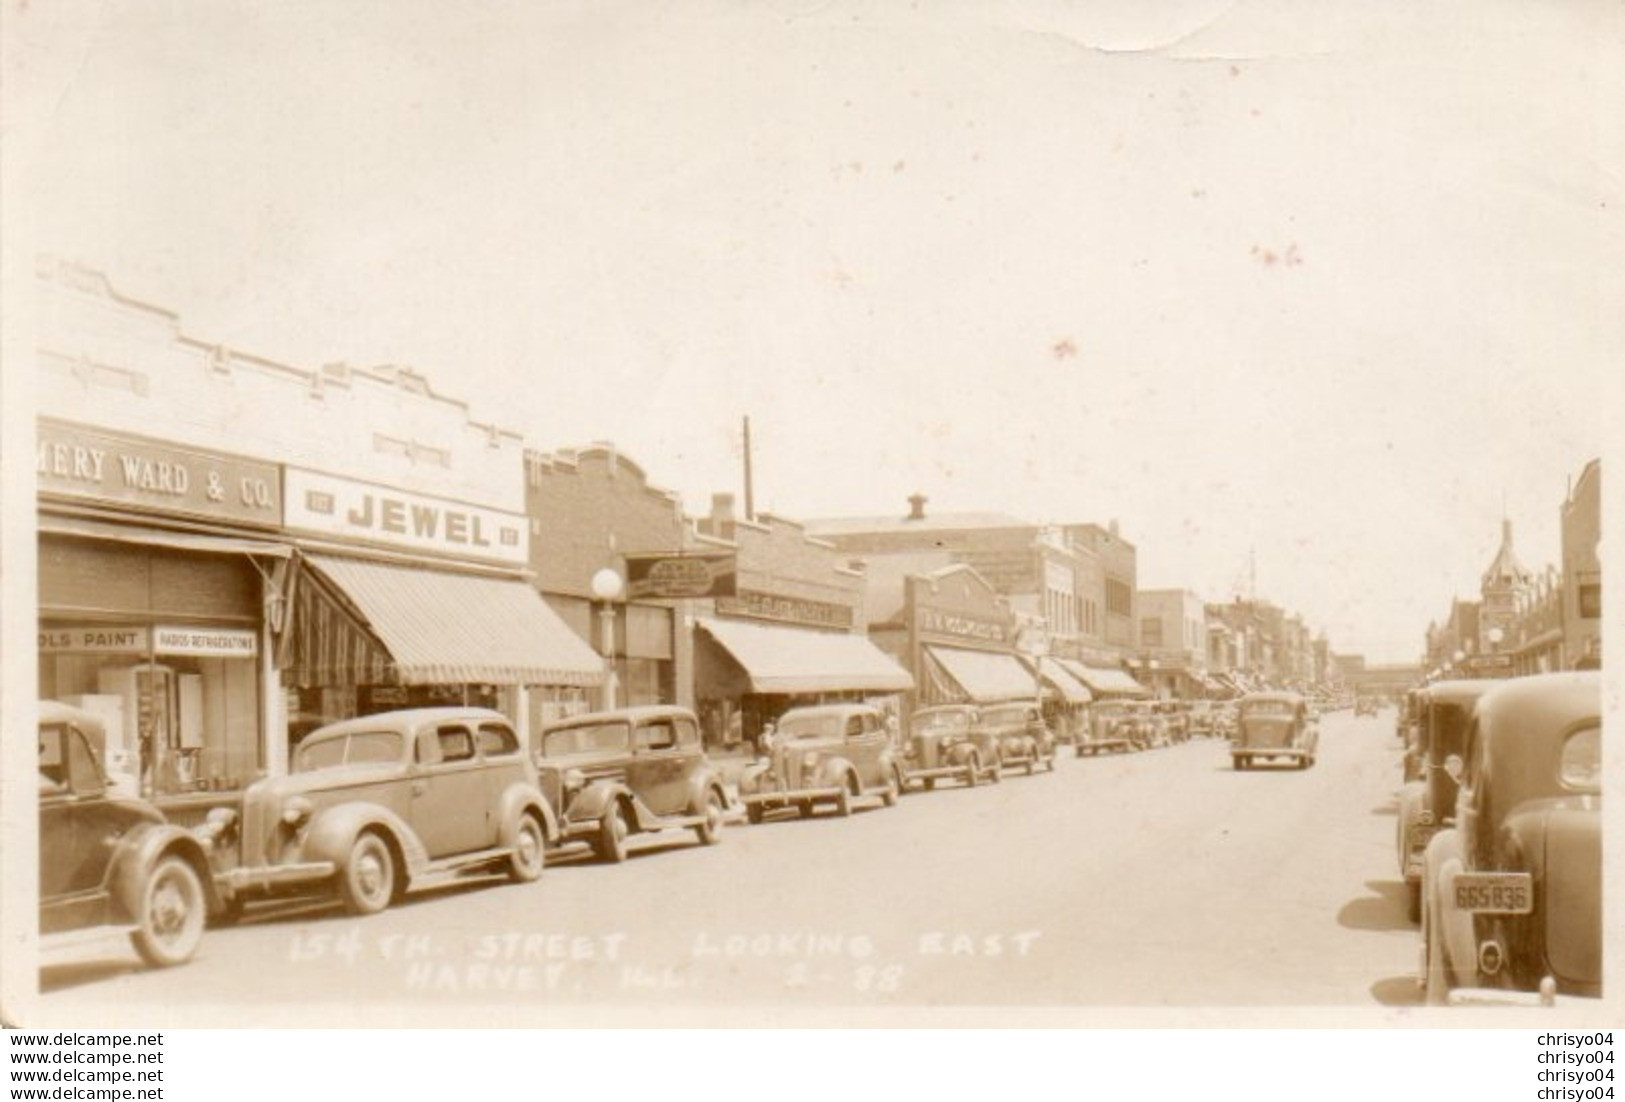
<point>87,528</point>
<point>986,677</point>
<point>796,660</point>
<point>1103,682</point>
<point>441,628</point>
<point>1071,689</point>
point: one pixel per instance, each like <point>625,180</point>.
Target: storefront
<point>959,641</point>
<point>402,600</point>
<point>155,565</point>
<point>1066,700</point>
<point>749,673</point>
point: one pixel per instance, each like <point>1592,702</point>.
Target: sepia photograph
<point>811,513</point>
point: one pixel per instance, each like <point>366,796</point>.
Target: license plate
<point>1504,893</point>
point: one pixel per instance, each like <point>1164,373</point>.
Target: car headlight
<point>809,762</point>
<point>573,779</point>
<point>296,810</point>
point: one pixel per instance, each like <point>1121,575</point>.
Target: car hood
<point>326,780</point>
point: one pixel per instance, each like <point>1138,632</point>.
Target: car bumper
<point>935,772</point>
<point>791,797</point>
<point>268,877</point>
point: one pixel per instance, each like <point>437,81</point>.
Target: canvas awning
<point>1104,682</point>
<point>1071,689</point>
<point>986,677</point>
<point>440,628</point>
<point>797,660</point>
<point>87,528</point>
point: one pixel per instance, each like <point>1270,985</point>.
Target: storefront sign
<point>332,506</point>
<point>790,610</point>
<point>957,625</point>
<point>706,574</point>
<point>205,642</point>
<point>93,640</point>
<point>70,461</point>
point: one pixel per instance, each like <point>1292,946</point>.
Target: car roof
<point>404,719</point>
<point>1460,691</point>
<point>1284,697</point>
<point>54,711</point>
<point>641,713</point>
<point>1523,711</point>
<point>829,710</point>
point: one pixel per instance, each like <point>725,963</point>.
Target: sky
<point>1305,301</point>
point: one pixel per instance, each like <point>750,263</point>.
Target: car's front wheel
<point>611,844</point>
<point>172,912</point>
<point>367,881</point>
<point>843,801</point>
<point>894,788</point>
<point>754,813</point>
<point>529,850</point>
<point>709,828</point>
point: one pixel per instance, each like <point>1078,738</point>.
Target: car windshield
<point>818,725</point>
<point>359,746</point>
<point>935,723</point>
<point>592,738</point>
<point>1005,715</point>
<point>1582,759</point>
<point>1267,708</point>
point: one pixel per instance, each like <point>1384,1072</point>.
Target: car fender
<point>594,800</point>
<point>701,785</point>
<point>335,829</point>
<point>1454,928</point>
<point>754,778</point>
<point>517,800</point>
<point>141,849</point>
<point>960,752</point>
<point>833,771</point>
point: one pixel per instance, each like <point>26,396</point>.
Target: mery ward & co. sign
<point>332,506</point>
<point>95,465</point>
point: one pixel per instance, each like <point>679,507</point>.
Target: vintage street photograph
<point>810,512</point>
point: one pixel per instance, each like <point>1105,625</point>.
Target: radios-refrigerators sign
<point>331,506</point>
<point>93,465</point>
<point>672,576</point>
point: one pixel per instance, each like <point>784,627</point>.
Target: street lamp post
<point>606,586</point>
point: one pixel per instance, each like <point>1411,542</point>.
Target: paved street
<point>1159,879</point>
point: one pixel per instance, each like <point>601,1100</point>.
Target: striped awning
<point>795,660</point>
<point>1104,682</point>
<point>985,676</point>
<point>434,627</point>
<point>1057,677</point>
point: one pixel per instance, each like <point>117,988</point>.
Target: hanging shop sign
<point>328,505</point>
<point>93,465</point>
<point>703,574</point>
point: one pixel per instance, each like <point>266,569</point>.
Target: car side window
<point>497,741</point>
<point>53,766</point>
<point>656,736</point>
<point>456,743</point>
<point>84,771</point>
<point>428,748</point>
<point>854,726</point>
<point>688,733</point>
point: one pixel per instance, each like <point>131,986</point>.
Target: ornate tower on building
<point>1505,584</point>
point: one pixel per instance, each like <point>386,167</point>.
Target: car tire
<point>529,854</point>
<point>996,773</point>
<point>843,801</point>
<point>709,829</point>
<point>1436,964</point>
<point>171,914</point>
<point>928,784</point>
<point>973,769</point>
<point>754,814</point>
<point>367,880</point>
<point>894,789</point>
<point>611,841</point>
<point>804,808</point>
<point>1413,900</point>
